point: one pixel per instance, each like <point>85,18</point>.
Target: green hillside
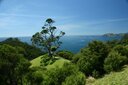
<point>114,78</point>
<point>36,61</point>
<point>58,63</point>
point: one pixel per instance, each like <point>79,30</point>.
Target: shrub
<point>76,57</point>
<point>123,50</point>
<point>57,76</point>
<point>95,74</point>
<point>99,48</point>
<point>114,61</point>
<point>124,40</point>
<point>65,54</point>
<point>88,62</point>
<point>101,51</point>
<point>35,76</point>
<point>75,79</point>
<point>112,43</point>
<point>45,60</point>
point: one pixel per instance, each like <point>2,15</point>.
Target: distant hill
<point>29,51</point>
<point>113,34</point>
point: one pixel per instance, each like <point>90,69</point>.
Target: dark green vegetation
<point>96,60</point>
<point>65,54</point>
<point>13,66</point>
<point>99,58</point>
<point>60,67</point>
<point>29,52</point>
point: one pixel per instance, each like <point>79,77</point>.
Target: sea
<point>74,43</point>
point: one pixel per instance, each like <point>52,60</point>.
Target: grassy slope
<point>57,63</point>
<point>114,78</point>
<point>36,62</point>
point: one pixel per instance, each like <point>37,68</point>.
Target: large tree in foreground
<point>47,38</point>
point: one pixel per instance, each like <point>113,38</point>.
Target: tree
<point>88,62</point>
<point>13,66</point>
<point>47,38</point>
<point>114,61</point>
<point>91,58</point>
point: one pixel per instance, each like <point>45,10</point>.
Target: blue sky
<point>75,17</point>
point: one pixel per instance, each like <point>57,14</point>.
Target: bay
<point>74,43</point>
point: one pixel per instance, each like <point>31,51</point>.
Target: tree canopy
<point>47,38</point>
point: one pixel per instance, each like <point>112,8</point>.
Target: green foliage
<point>47,38</point>
<point>57,76</point>
<point>95,74</point>
<point>65,54</point>
<point>123,50</point>
<point>76,57</point>
<point>35,76</point>
<point>29,52</point>
<point>112,43</point>
<point>75,79</point>
<point>124,40</point>
<point>87,62</point>
<point>46,60</point>
<point>91,58</point>
<point>114,61</point>
<point>13,66</point>
<point>99,48</point>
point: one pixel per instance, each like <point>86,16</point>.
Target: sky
<point>75,17</point>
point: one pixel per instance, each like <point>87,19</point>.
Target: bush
<point>76,57</point>
<point>91,59</point>
<point>75,79</point>
<point>88,62</point>
<point>123,50</point>
<point>112,43</point>
<point>95,74</point>
<point>124,40</point>
<point>35,76</point>
<point>65,54</point>
<point>114,62</point>
<point>57,76</point>
<point>45,60</point>
<point>99,48</point>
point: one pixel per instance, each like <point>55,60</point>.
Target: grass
<point>36,62</point>
<point>114,78</point>
<point>58,63</point>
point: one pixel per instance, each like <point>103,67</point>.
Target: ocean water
<point>73,43</point>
